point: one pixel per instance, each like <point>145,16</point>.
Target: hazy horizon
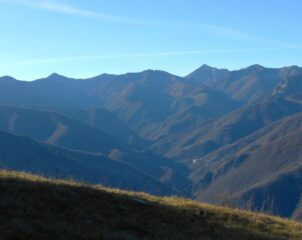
<point>142,70</point>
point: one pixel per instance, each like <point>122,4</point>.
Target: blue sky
<point>86,38</point>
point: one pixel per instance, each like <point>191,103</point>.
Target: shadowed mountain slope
<point>209,136</point>
<point>24,154</point>
<point>57,129</point>
<point>263,169</point>
<point>108,123</point>
<point>60,130</point>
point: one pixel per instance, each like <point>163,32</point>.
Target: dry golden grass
<point>33,207</point>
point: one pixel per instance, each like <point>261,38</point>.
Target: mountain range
<point>212,135</point>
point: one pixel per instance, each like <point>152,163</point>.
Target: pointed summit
<point>207,73</point>
<point>205,66</point>
<point>55,76</point>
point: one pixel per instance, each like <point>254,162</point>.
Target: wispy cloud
<point>233,33</point>
<point>217,30</point>
<point>70,10</point>
<point>136,55</point>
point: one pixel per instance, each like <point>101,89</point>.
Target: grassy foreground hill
<point>33,207</point>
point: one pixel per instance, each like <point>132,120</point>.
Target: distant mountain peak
<point>206,72</point>
<point>153,71</point>
<point>208,68</point>
<point>256,67</point>
<point>205,66</point>
<point>7,79</point>
<point>55,76</point>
